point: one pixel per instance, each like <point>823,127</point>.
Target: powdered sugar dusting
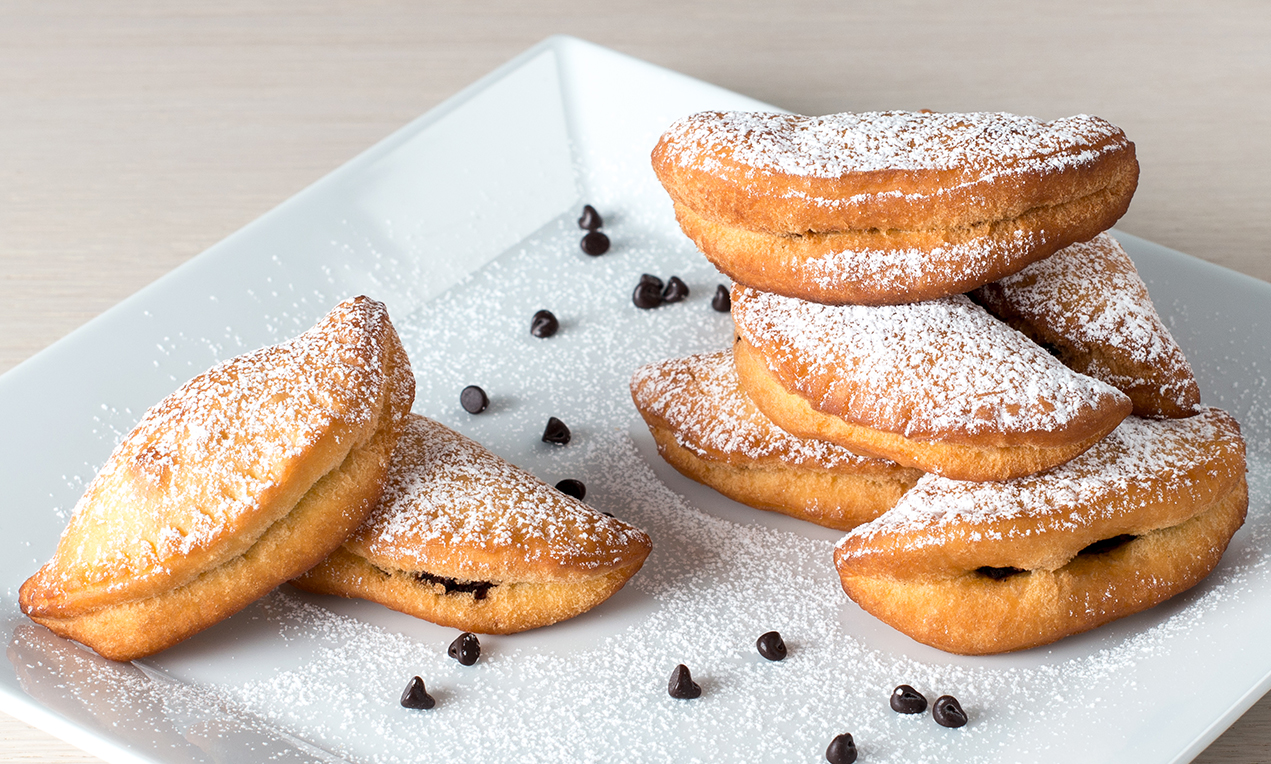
<point>1154,457</point>
<point>447,491</point>
<point>978,144</point>
<point>1120,319</point>
<point>978,375</point>
<point>206,457</point>
<point>700,398</point>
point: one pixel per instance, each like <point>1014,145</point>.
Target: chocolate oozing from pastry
<point>997,574</point>
<point>466,648</point>
<point>556,432</point>
<point>1107,545</point>
<point>676,290</point>
<point>842,750</point>
<point>647,294</point>
<point>771,646</point>
<point>590,219</point>
<point>415,696</point>
<point>595,244</point>
<point>473,399</point>
<point>907,700</point>
<point>572,487</point>
<point>722,301</point>
<point>682,686</point>
<point>947,712</point>
<point>478,589</point>
<point>544,324</point>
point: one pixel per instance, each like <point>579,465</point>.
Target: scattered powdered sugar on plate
<point>302,678</point>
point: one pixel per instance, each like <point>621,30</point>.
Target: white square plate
<point>463,223</point>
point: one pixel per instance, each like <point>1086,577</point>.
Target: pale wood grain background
<point>133,135</point>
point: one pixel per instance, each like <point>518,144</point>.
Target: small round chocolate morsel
<point>771,646</point>
<point>649,278</point>
<point>647,295</point>
<point>556,432</point>
<point>682,685</point>
<point>947,712</point>
<point>591,219</point>
<point>466,648</point>
<point>572,487</point>
<point>595,243</point>
<point>907,700</point>
<point>544,324</point>
<point>675,291</point>
<point>473,399</point>
<point>721,301</point>
<point>415,696</point>
<point>842,750</point>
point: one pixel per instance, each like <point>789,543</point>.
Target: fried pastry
<point>706,428</point>
<point>890,207</point>
<point>978,568</point>
<point>245,477</point>
<point>940,386</point>
<point>1088,306</point>
<point>464,539</point>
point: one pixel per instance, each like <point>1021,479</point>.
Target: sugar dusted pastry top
<point>900,170</point>
<point>1147,474</point>
<point>940,369</point>
<point>454,509</point>
<point>1089,297</point>
<point>209,468</point>
<point>699,399</point>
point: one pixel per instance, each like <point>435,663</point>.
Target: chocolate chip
<point>571,487</point>
<point>473,399</point>
<point>947,712</point>
<point>556,432</point>
<point>907,700</point>
<point>682,685</point>
<point>721,301</point>
<point>415,696</point>
<point>1107,545</point>
<point>771,646</point>
<point>590,219</point>
<point>647,294</point>
<point>649,278</point>
<point>466,648</point>
<point>595,243</point>
<point>842,750</point>
<point>675,291</point>
<point>544,324</point>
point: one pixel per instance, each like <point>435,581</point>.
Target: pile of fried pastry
<point>302,462</point>
<point>939,349</point>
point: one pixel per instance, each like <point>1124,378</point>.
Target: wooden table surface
<point>133,135</point>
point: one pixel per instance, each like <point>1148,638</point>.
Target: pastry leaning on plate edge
<point>935,293</point>
<point>306,454</point>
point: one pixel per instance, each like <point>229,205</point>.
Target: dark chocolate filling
<point>997,574</point>
<point>1107,545</point>
<point>478,589</point>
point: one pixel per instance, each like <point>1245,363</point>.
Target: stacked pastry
<point>303,460</point>
<point>933,293</point>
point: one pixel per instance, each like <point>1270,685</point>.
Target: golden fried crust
<point>987,568</point>
<point>940,386</point>
<point>788,174</point>
<point>891,266</point>
<point>706,428</point>
<point>243,478</point>
<point>1088,305</point>
<point>452,510</point>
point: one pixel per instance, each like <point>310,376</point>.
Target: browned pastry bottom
<point>706,428</point>
<point>995,567</point>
